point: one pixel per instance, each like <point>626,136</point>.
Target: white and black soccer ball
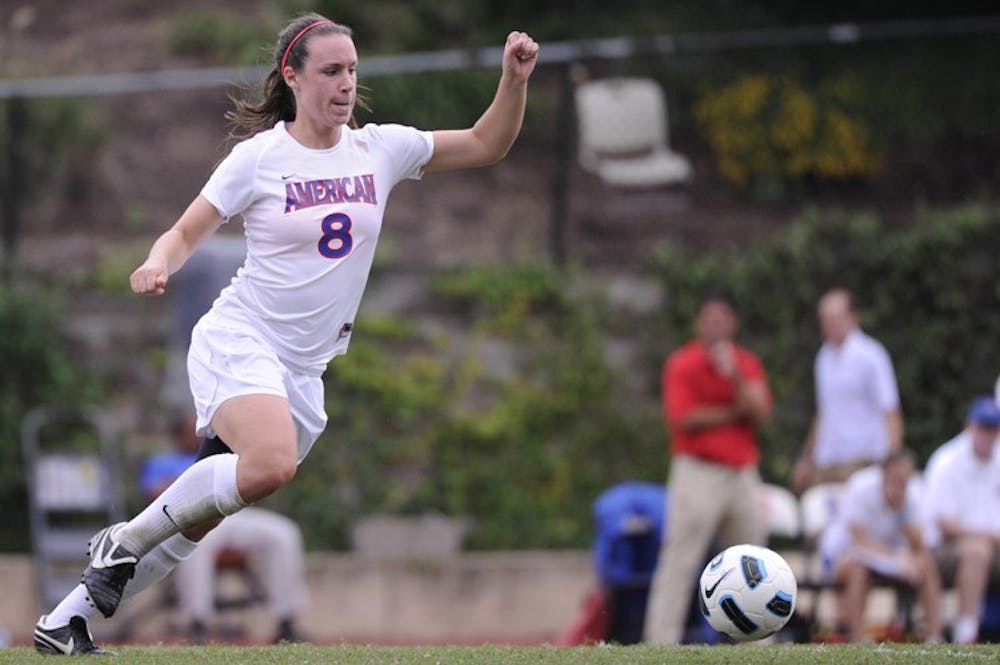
<point>747,592</point>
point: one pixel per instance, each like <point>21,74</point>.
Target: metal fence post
<point>13,181</point>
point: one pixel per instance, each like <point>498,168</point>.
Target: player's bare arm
<point>174,247</point>
<point>488,141</point>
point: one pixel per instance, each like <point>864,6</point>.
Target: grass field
<point>300,654</point>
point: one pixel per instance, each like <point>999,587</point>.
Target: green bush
<point>58,146</point>
<point>436,100</point>
<point>419,422</point>
<point>221,36</point>
<point>38,369</point>
<point>430,25</point>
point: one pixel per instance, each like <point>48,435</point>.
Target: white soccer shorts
<point>229,358</point>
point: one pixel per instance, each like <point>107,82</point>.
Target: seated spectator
<point>878,532</point>
<point>963,502</point>
<point>957,442</point>
<point>932,536</point>
<point>271,542</point>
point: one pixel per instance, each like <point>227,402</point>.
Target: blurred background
<point>507,365</point>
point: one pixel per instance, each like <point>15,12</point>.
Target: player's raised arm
<point>488,141</point>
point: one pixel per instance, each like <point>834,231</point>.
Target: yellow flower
<point>764,125</point>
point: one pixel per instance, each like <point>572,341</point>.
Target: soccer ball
<point>747,592</point>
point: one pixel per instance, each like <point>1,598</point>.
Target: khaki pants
<point>704,500</point>
<point>273,544</point>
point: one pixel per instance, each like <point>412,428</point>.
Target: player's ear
<point>288,74</point>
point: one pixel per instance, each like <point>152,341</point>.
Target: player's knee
<point>267,469</point>
<point>275,477</point>
<point>280,469</point>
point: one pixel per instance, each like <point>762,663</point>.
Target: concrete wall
<point>512,597</point>
<point>467,598</point>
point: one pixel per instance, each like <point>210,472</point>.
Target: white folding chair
<point>779,510</point>
<point>73,491</point>
<point>819,505</point>
<point>623,135</point>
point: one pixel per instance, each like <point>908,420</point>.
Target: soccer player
<point>311,189</point>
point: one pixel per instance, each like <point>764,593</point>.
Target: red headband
<point>288,49</point>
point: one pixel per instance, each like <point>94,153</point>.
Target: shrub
<point>38,369</point>
<point>221,36</point>
<point>55,150</point>
<point>420,421</point>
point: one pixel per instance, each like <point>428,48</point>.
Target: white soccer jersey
<point>311,220</point>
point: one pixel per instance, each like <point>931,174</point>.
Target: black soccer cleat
<point>73,639</point>
<point>111,567</point>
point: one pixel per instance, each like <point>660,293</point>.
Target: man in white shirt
<point>948,449</point>
<point>951,446</point>
<point>963,500</point>
<point>878,532</point>
<point>858,420</point>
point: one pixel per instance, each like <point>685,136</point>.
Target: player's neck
<point>313,136</point>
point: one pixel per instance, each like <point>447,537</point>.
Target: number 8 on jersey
<point>336,240</point>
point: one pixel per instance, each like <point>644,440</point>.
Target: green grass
<point>299,654</point>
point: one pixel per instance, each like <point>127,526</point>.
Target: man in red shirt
<point>715,394</point>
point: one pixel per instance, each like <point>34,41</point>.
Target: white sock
<point>965,630</point>
<point>158,563</point>
<point>76,602</point>
<point>206,490</point>
<point>151,569</point>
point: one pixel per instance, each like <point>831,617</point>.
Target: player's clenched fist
<point>519,55</point>
<point>149,279</point>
